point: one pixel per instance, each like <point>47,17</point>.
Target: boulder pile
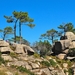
<point>62,47</point>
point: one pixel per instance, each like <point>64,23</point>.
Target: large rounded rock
<point>70,35</point>
<point>61,46</point>
<point>72,44</point>
<point>5,50</point>
<point>6,57</point>
<point>66,51</point>
<point>28,49</point>
<point>61,56</point>
<point>19,49</point>
<point>3,43</point>
<point>23,49</point>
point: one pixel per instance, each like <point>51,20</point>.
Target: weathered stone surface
<point>51,68</point>
<point>39,60</point>
<point>23,58</point>
<point>65,44</point>
<point>3,43</point>
<point>19,63</point>
<point>72,44</point>
<point>5,49</point>
<point>65,65</point>
<point>73,71</point>
<point>61,56</point>
<point>36,71</point>
<point>70,58</point>
<point>34,65</point>
<point>57,72</point>
<point>46,71</point>
<point>61,46</point>
<point>9,73</point>
<point>28,67</point>
<point>19,49</point>
<point>61,72</point>
<point>66,51</point>
<point>6,57</point>
<point>70,35</point>
<point>23,49</point>
<point>28,50</point>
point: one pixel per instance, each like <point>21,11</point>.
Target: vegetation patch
<point>12,48</point>
<point>36,55</point>
<point>14,55</point>
<point>1,60</point>
<point>71,52</point>
<point>45,63</point>
<point>52,62</point>
<point>70,71</point>
<point>22,69</point>
<point>60,62</point>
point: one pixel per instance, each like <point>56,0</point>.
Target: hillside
<point>17,59</point>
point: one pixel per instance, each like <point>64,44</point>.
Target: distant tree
<point>66,27</point>
<point>70,27</point>
<point>22,18</point>
<point>12,19</point>
<point>43,47</point>
<point>6,31</point>
<point>50,35</point>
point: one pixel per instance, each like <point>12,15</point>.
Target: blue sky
<point>47,14</point>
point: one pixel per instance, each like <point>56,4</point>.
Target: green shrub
<point>45,63</point>
<point>65,71</point>
<point>22,69</point>
<point>36,55</point>
<point>14,55</point>
<point>69,63</point>
<point>52,62</point>
<point>71,52</point>
<point>70,71</point>
<point>13,48</point>
<point>1,60</point>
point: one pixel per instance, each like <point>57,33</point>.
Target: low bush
<point>71,52</point>
<point>1,60</point>
<point>36,55</point>
<point>14,55</point>
<point>22,69</point>
<point>12,48</point>
<point>70,71</point>
<point>52,62</point>
<point>45,63</point>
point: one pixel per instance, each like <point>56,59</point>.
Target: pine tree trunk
<point>4,36</point>
<point>15,31</point>
<point>52,40</point>
<point>20,31</point>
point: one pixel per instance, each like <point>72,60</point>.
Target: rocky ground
<point>16,59</point>
<point>35,65</point>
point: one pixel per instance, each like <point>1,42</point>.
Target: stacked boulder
<point>5,50</point>
<point>23,49</point>
<point>61,48</point>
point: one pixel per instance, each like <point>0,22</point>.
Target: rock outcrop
<point>6,50</point>
<point>21,58</point>
<point>23,49</point>
<point>70,36</point>
<point>63,45</point>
